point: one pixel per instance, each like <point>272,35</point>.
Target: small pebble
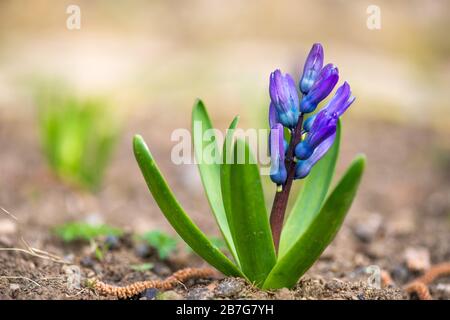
<point>400,274</point>
<point>14,289</point>
<point>334,285</point>
<point>112,242</point>
<point>417,258</point>
<point>169,295</point>
<point>199,294</point>
<point>284,294</point>
<point>367,230</point>
<point>143,251</point>
<point>360,260</point>
<point>444,288</point>
<point>69,257</point>
<point>149,294</point>
<point>229,287</point>
<point>7,227</point>
<point>87,262</point>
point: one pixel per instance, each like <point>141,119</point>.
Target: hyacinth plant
<point>271,251</point>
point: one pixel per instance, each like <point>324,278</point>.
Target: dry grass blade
<point>28,248</point>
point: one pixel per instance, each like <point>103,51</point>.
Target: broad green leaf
<point>320,233</point>
<point>246,213</point>
<point>311,197</point>
<point>175,214</point>
<point>209,168</point>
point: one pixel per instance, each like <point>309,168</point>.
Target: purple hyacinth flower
<point>284,96</point>
<point>303,167</point>
<point>311,70</point>
<point>341,100</point>
<point>324,84</point>
<point>278,173</point>
<point>324,126</point>
<point>338,105</point>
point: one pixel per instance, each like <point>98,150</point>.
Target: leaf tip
<point>361,160</point>
<point>234,123</point>
<point>139,144</point>
<point>198,103</point>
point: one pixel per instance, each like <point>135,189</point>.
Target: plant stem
<point>281,198</point>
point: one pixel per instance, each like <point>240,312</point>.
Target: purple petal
<point>311,70</point>
<point>277,142</point>
<point>340,101</point>
<point>304,167</point>
<point>322,87</point>
<point>273,119</point>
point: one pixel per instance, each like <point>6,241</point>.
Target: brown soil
<point>400,221</point>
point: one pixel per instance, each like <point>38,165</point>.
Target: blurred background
<point>147,61</point>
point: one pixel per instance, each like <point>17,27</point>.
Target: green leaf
<point>320,233</point>
<point>175,214</point>
<point>142,267</point>
<point>311,197</point>
<point>73,231</point>
<point>246,213</point>
<point>210,168</point>
<point>164,244</point>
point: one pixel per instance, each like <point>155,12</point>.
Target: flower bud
<point>284,96</point>
<point>311,70</point>
<point>322,87</point>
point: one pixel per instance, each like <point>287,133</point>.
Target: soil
<point>399,222</point>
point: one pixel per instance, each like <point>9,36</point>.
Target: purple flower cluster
<point>286,107</point>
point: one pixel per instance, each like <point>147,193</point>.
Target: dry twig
<point>419,285</point>
<point>138,287</point>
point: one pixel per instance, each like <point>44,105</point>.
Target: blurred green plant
<point>82,231</point>
<point>77,134</point>
<point>164,244</point>
<point>142,267</point>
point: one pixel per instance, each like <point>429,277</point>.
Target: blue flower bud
<point>311,70</point>
<point>308,123</point>
<point>324,84</point>
<point>341,100</point>
<point>323,127</point>
<point>278,173</point>
<point>303,167</point>
<point>284,96</point>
